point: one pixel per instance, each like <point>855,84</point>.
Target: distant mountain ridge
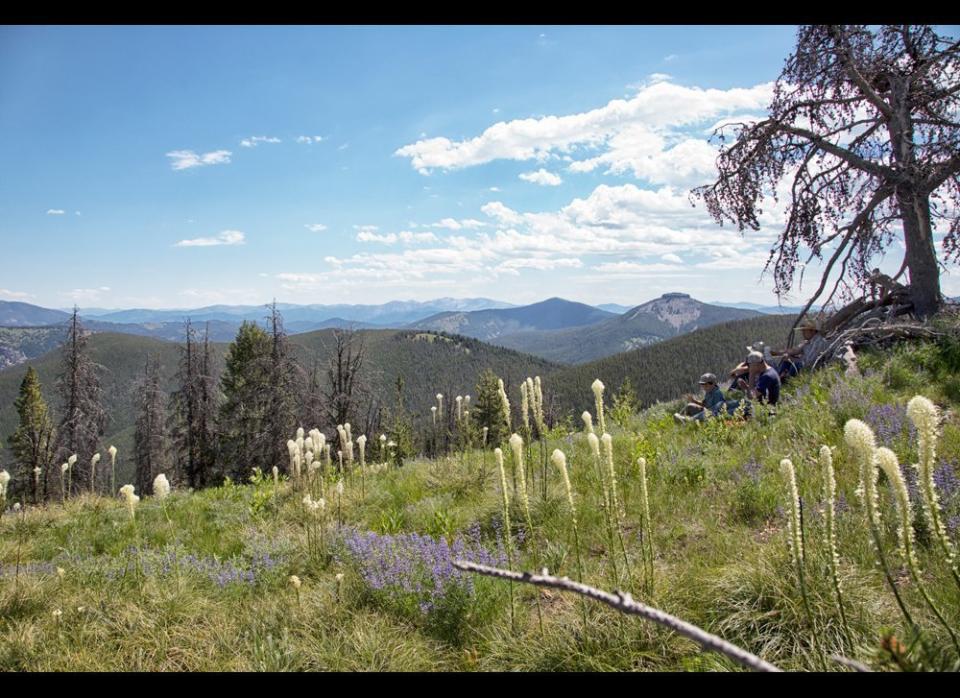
<point>670,315</point>
<point>486,325</point>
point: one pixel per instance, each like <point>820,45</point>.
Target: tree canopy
<point>864,126</point>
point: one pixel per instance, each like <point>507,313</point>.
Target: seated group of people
<point>757,377</point>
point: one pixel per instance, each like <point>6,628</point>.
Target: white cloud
<point>367,236</point>
<point>254,141</point>
<point>495,189</point>
<point>309,139</point>
<point>670,57</point>
<point>343,147</point>
<point>368,228</point>
<point>542,177</point>
<point>625,130</point>
<point>76,213</point>
<point>55,211</point>
<point>636,268</point>
<point>315,227</point>
<point>225,237</point>
<point>9,295</point>
<point>185,159</point>
<point>671,257</point>
<point>453,224</point>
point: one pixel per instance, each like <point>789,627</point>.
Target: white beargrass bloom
<point>57,615</point>
<point>340,487</point>
<point>4,480</point>
<point>433,411</point>
<point>95,459</point>
<point>597,388</point>
<point>559,459</point>
<point>338,577</point>
<point>161,486</point>
<point>340,459</point>
<point>295,581</point>
<point>276,475</point>
<point>299,433</point>
<point>16,507</point>
<point>863,443</point>
<point>516,445</point>
<point>459,407</point>
<point>538,402</point>
<point>925,417</point>
<point>504,402</point>
<point>887,460</point>
<point>308,443</point>
<point>37,471</point>
<point>525,405</point>
<point>346,428</point>
<point>132,499</point>
<point>830,485</point>
<point>594,445</point>
<point>612,473</point>
<point>112,451</point>
<point>362,444</point>
<point>64,468</point>
<point>71,460</point>
<point>383,438</point>
<point>793,522</point>
<point>486,430</point>
<point>587,422</point>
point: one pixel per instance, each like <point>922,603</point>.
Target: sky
<point>177,167</point>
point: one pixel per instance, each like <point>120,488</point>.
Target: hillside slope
<point>668,316</point>
<point>551,314</point>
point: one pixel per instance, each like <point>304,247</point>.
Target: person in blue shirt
<point>763,377</point>
<point>713,401</point>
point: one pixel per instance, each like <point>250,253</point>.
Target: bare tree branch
<point>624,602</point>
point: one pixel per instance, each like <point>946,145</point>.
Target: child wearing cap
<point>713,400</point>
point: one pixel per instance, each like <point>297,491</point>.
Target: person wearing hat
<point>805,353</point>
<point>713,400</point>
<point>763,382</point>
<point>743,371</point>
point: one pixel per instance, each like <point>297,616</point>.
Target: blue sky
<point>185,166</point>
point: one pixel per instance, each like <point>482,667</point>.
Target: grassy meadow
<point>202,581</point>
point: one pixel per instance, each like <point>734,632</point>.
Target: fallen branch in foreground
<point>624,602</point>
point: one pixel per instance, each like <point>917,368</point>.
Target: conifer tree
<point>489,409</point>
<point>241,423</point>
<point>194,404</point>
<point>285,377</point>
<point>32,442</point>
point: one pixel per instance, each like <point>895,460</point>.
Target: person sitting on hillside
<point>795,359</point>
<point>698,410</point>
<point>743,369</point>
<point>763,382</point>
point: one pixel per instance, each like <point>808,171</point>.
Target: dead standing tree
<point>83,418</point>
<point>864,126</point>
<point>344,382</point>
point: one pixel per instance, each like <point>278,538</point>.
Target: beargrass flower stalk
<point>607,509</point>
<point>70,461</point>
<point>862,442</point>
<point>587,422</point>
<point>113,467</point>
<point>339,580</point>
<point>459,402</point>
<point>383,448</point>
<point>887,460</point>
<point>830,494</point>
<point>161,486</point>
<point>525,407</point>
<point>795,530</point>
<point>433,411</point>
<point>538,402</point>
<point>4,482</point>
<point>93,471</point>
<point>617,507</point>
<point>504,403</point>
<point>63,481</point>
<point>340,463</point>
<point>646,526</point>
<point>516,445</point>
<point>508,536</point>
<point>276,476</point>
<point>36,483</point>
<point>362,445</point>
<point>131,500</point>
<point>440,405</point>
<point>924,415</point>
<point>296,583</point>
<point>597,388</point>
<point>559,459</point>
<point>339,502</point>
<point>346,428</point>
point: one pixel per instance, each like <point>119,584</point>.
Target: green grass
<point>721,558</point>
